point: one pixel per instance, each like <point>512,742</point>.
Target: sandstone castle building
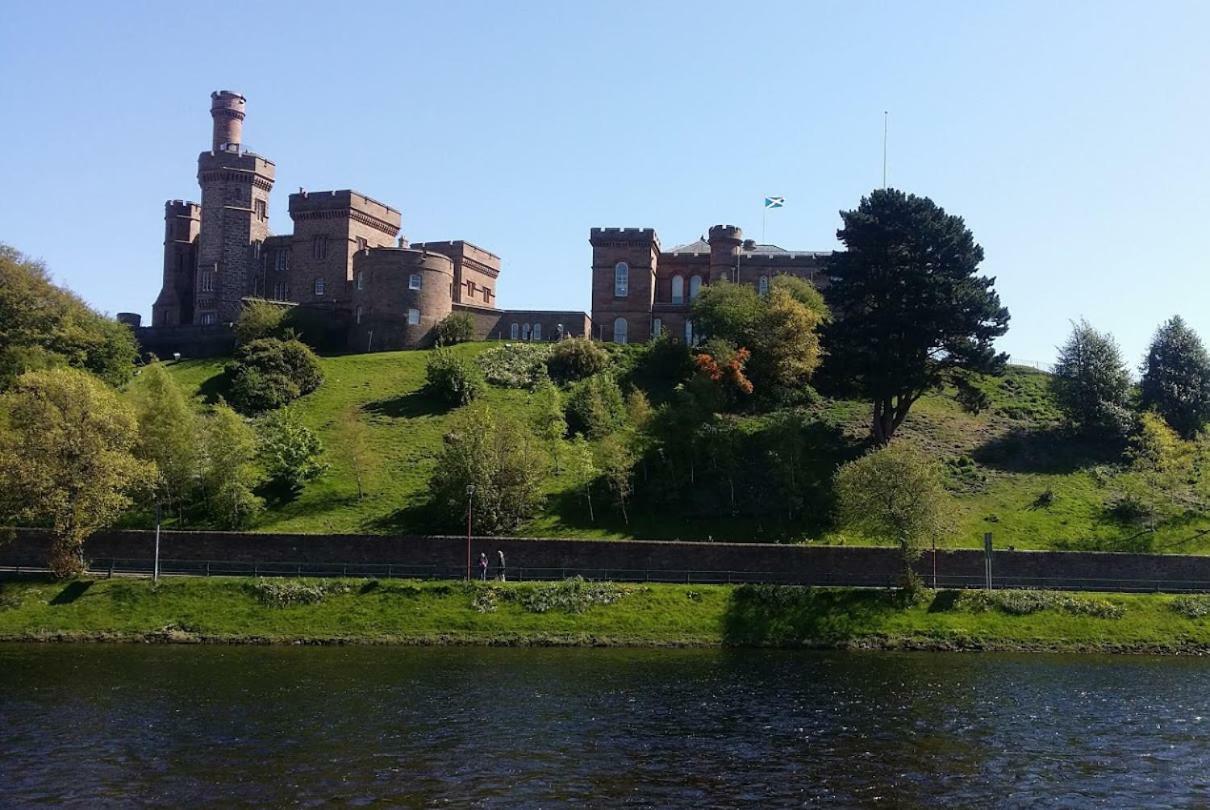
<point>347,262</point>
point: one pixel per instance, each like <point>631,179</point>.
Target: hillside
<point>1012,470</point>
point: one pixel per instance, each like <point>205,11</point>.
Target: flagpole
<point>764,215</point>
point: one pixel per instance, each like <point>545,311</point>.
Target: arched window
<point>762,286</point>
<point>525,331</point>
<point>319,286</point>
<point>678,290</point>
<point>514,330</point>
<point>695,287</point>
<point>358,313</point>
<point>688,332</point>
<point>621,280</point>
<point>620,327</point>
<point>657,327</point>
<point>537,331</point>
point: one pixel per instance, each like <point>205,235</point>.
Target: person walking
<point>483,566</point>
<point>500,554</point>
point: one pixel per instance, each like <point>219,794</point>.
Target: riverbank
<point>577,613</point>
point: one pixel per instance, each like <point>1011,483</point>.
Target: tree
<point>575,359</point>
<point>497,455</point>
<point>167,435</point>
<point>451,379</point>
<point>1091,383</point>
<point>582,470</point>
<point>615,460</point>
<point>67,458</point>
<point>457,327</point>
<point>595,407</point>
<point>42,326</point>
<point>289,452</point>
<point>1176,377</point>
<point>269,373</point>
<point>260,319</point>
<point>908,304</point>
<point>229,447</point>
<point>549,424</point>
<point>353,448</point>
<point>895,492</point>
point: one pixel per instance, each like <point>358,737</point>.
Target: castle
<point>347,262</point>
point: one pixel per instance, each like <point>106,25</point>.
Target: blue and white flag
<point>774,202</point>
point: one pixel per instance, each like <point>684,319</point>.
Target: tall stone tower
<point>725,241</point>
<point>235,214</point>
<point>182,223</point>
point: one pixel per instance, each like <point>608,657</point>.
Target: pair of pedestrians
<point>483,566</point>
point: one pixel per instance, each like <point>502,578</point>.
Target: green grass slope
<point>234,610</point>
<point>1012,470</point>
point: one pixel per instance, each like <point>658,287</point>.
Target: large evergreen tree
<point>1091,383</point>
<point>908,304</point>
<point>1176,377</point>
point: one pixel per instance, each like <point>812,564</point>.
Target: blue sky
<point>1071,136</point>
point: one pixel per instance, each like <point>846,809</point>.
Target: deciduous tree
<point>168,435</point>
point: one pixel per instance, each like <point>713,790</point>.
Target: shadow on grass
<point>407,406</point>
<point>71,593</point>
<point>1053,451</point>
<point>214,388</point>
<point>420,517</point>
<point>789,615</point>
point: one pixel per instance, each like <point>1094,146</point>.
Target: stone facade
<point>640,291</point>
<point>345,257</point>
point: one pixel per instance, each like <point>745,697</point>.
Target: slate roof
<point>702,246</point>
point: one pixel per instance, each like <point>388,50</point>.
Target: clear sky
<point>1072,136</point>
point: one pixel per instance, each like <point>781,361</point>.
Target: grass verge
<point>578,613</point>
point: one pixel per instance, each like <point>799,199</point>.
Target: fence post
<point>110,568</point>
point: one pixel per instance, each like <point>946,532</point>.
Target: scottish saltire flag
<point>774,202</point>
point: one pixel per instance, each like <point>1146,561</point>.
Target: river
<point>114,725</point>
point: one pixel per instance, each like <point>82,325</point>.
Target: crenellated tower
<point>235,214</point>
<point>182,224</point>
<point>624,263</point>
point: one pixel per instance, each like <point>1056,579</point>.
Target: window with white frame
<point>621,280</point>
<point>695,287</point>
<point>678,290</point>
<point>414,281</point>
<point>762,286</point>
<point>657,327</point>
<point>319,286</point>
<point>537,331</point>
<point>514,331</point>
<point>413,317</point>
<point>620,329</point>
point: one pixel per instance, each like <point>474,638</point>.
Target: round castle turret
<point>389,285</point>
<point>725,241</point>
<point>227,110</point>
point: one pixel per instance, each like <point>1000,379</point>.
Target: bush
<point>259,319</point>
<point>571,595</point>
<point>1025,602</point>
<point>451,380</point>
<point>516,365</point>
<point>457,327</point>
<point>269,373</point>
<point>595,407</point>
<point>289,452</point>
<point>284,593</point>
<point>576,359</point>
<point>1192,606</point>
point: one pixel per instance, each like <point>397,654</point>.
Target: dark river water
<point>95,726</point>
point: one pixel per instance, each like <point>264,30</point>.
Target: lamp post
<point>470,499</point>
<point>155,573</point>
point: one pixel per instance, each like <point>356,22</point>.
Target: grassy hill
<point>1013,471</point>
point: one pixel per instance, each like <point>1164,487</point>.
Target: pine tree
<point>1176,377</point>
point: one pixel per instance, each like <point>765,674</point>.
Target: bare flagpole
<point>885,118</point>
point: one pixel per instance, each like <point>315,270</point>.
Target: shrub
<point>1192,606</point>
<point>259,319</point>
<point>289,452</point>
<point>269,373</point>
<point>573,595</point>
<point>451,380</point>
<point>1025,602</point>
<point>284,593</point>
<point>576,359</point>
<point>595,407</point>
<point>516,365</point>
<point>457,327</point>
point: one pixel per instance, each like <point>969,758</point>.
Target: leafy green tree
<point>451,379</point>
<point>260,319</point>
<point>269,373</point>
<point>1091,383</point>
<point>290,453</point>
<point>549,424</point>
<point>42,326</point>
<point>1176,377</point>
<point>457,327</point>
<point>582,470</point>
<point>67,458</point>
<point>908,303</point>
<point>229,472</point>
<point>615,459</point>
<point>595,406</point>
<point>576,359</point>
<point>168,435</point>
<point>895,492</point>
<point>497,455</point>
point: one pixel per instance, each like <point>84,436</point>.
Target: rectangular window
<point>282,260</point>
<point>361,280</point>
<point>209,318</point>
<point>319,286</point>
<point>261,212</point>
<point>361,243</point>
<point>279,291</point>
<point>413,317</point>
<point>319,247</point>
<point>657,328</point>
<point>414,281</point>
<point>207,281</point>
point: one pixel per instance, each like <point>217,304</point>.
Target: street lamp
<point>470,497</point>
